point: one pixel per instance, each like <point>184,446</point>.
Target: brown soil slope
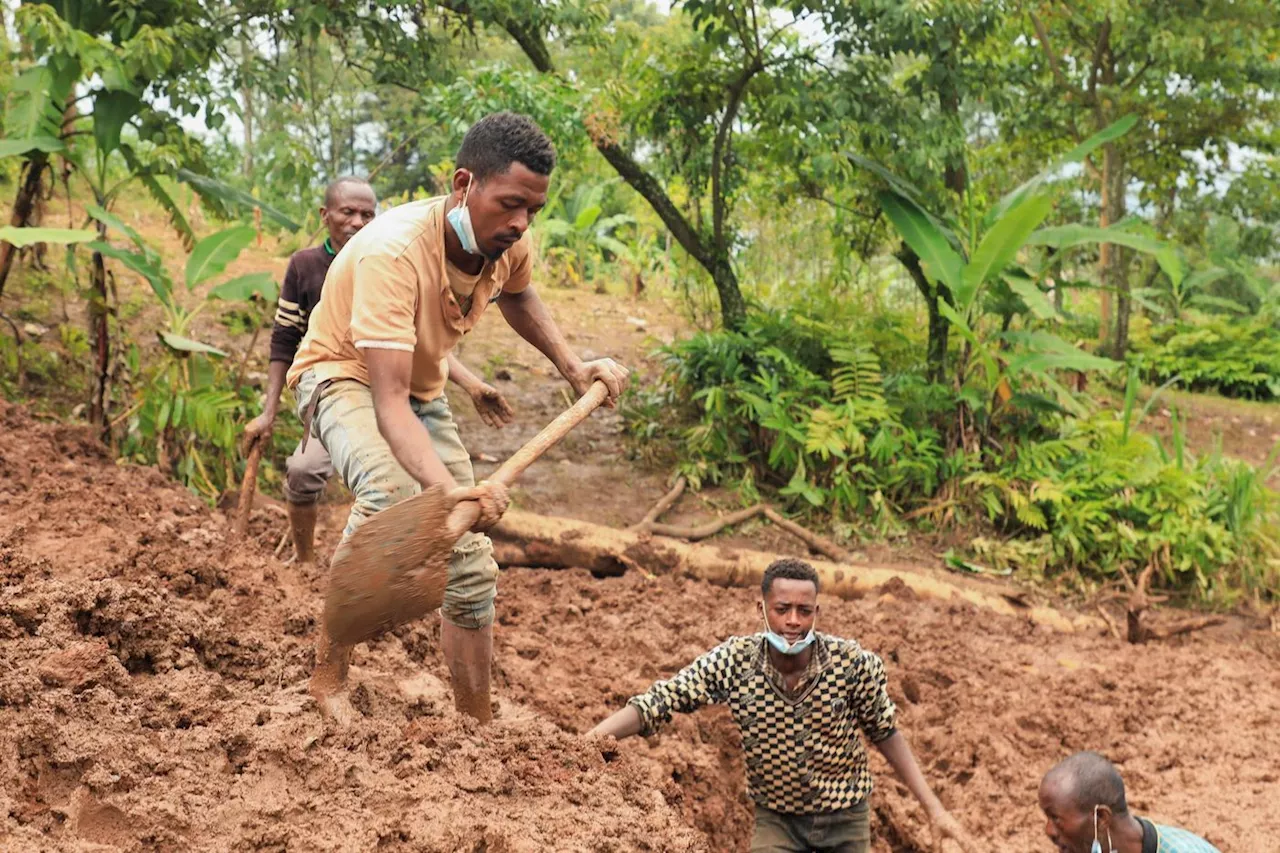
<point>150,698</point>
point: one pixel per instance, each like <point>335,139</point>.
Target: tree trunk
<point>24,205</point>
<point>247,95</point>
<point>939,329</point>
<point>1114,325</point>
<point>733,308</point>
<point>536,541</point>
<point>100,334</point>
<point>955,174</point>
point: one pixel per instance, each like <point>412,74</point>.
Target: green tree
<point>1200,74</point>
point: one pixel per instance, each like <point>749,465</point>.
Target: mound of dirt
<point>152,697</point>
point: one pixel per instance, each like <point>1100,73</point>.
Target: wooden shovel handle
<point>465,514</point>
<point>248,486</point>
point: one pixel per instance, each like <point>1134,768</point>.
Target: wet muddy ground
<point>151,679</point>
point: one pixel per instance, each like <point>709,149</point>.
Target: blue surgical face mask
<point>460,218</point>
<point>780,643</point>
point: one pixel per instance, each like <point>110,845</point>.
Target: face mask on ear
<point>780,643</point>
<point>460,219</point>
<point>1096,847</point>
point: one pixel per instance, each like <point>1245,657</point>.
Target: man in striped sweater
<point>800,699</point>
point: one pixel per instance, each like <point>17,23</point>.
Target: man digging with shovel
<point>371,371</point>
<point>349,205</point>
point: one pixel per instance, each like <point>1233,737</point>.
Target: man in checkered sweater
<point>799,699</point>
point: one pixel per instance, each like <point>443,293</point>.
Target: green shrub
<point>1234,359</point>
<point>1100,498</point>
<point>798,408</point>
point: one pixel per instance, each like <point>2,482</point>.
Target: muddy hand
<point>492,407</point>
<point>947,828</point>
<point>493,499</point>
<point>258,429</point>
<point>608,371</point>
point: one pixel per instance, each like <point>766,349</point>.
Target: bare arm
<point>461,376</point>
<point>620,724</point>
<point>262,425</point>
<point>389,374</point>
<point>897,752</point>
<point>286,335</point>
<point>525,312</point>
<point>528,315</point>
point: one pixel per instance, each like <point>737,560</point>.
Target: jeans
<point>845,831</point>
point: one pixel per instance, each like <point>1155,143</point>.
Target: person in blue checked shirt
<point>1083,800</point>
<point>800,699</point>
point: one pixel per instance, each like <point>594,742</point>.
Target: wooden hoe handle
<point>465,513</point>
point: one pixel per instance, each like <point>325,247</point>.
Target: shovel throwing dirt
<point>394,568</point>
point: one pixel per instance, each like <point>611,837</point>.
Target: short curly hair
<point>500,139</point>
<point>788,568</point>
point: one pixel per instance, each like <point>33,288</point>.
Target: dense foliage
<point>917,243</point>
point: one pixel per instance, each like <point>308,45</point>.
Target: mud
<point>151,697</point>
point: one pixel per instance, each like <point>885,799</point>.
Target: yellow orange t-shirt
<point>391,287</point>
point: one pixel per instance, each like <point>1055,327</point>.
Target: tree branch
<point>718,205</point>
<point>1052,58</point>
<point>1101,48</point>
<point>619,158</point>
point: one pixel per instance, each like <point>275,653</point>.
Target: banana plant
<point>577,229</point>
<point>183,411</point>
<point>1186,289</point>
<point>974,263</point>
<point>208,259</point>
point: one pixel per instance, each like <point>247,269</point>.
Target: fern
<point>856,375</point>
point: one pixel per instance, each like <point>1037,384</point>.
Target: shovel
<point>248,486</point>
<point>394,568</point>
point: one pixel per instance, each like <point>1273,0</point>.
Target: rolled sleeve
<point>703,682</point>
<point>877,715</point>
<point>384,304</point>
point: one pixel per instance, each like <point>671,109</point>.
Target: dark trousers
<point>845,831</point>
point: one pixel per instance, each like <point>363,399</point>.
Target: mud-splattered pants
<point>306,472</point>
<point>845,831</point>
<point>344,422</point>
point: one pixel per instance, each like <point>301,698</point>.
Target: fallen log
<point>538,541</point>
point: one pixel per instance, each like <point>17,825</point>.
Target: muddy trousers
<point>306,472</point>
<point>345,422</point>
<point>845,831</point>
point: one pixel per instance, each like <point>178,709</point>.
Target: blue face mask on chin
<point>780,643</point>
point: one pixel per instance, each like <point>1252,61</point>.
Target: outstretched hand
<point>492,407</point>
<point>945,827</point>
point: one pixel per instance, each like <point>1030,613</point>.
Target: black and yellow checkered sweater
<point>803,753</point>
